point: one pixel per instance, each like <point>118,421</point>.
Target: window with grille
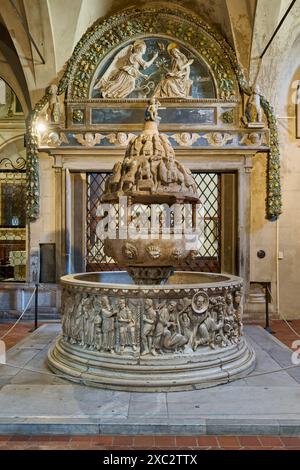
<point>209,191</point>
<point>12,226</point>
<point>208,185</point>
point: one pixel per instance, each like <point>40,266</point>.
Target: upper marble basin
<point>121,279</point>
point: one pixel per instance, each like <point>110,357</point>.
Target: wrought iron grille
<point>96,260</point>
<point>208,185</point>
<point>209,190</point>
<point>12,226</point>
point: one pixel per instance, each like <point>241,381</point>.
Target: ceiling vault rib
<point>26,29</point>
<point>278,28</point>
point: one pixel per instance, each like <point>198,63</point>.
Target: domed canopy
<point>149,172</point>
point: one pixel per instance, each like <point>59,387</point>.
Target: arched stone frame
<point>146,36</point>
<point>136,22</point>
<point>160,18</point>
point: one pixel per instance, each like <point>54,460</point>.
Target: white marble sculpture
<point>119,80</point>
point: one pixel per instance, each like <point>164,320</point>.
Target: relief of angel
<point>218,139</point>
<point>54,139</point>
<point>89,140</point>
<point>185,139</point>
<point>120,138</point>
<point>119,80</point>
<point>177,83</point>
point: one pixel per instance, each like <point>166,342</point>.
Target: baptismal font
<point>151,328</point>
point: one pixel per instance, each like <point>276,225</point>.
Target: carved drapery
<point>175,23</point>
<point>152,322</point>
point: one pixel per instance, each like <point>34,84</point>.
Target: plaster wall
<point>277,77</point>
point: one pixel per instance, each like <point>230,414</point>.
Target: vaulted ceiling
<point>38,36</point>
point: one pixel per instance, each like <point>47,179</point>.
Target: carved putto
<point>254,138</point>
<point>120,138</point>
<point>185,139</point>
<point>53,110</point>
<point>89,139</point>
<point>218,139</point>
<point>254,112</point>
<point>54,139</point>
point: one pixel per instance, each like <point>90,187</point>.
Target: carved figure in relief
<point>98,324</point>
<point>148,328</point>
<point>120,78</point>
<point>218,139</point>
<point>218,312</point>
<point>185,139</point>
<point>173,341</point>
<point>89,140</point>
<point>131,166</point>
<point>77,301</point>
<point>113,181</point>
<point>163,319</point>
<point>88,322</point>
<point>188,178</point>
<point>200,302</point>
<point>120,138</point>
<point>185,324</point>
<point>254,138</point>
<point>108,325</point>
<point>238,311</point>
<point>229,319</point>
<point>78,324</point>
<point>145,175</point>
<point>151,113</point>
<point>127,326</point>
<point>177,83</point>
<point>54,139</point>
<point>53,111</point>
<point>67,310</point>
<point>166,336</point>
<point>207,331</point>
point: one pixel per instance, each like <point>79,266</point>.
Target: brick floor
<point>149,442</point>
<point>282,332</point>
<point>20,331</point>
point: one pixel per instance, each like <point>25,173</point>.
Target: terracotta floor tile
<point>270,441</point>
<point>291,441</point>
<point>60,438</point>
<point>41,438</point>
<point>165,441</point>
<point>81,439</point>
<point>186,441</point>
<point>123,440</point>
<point>207,441</point>
<point>19,438</point>
<point>103,441</point>
<point>249,441</point>
<point>227,441</point>
<point>143,441</point>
